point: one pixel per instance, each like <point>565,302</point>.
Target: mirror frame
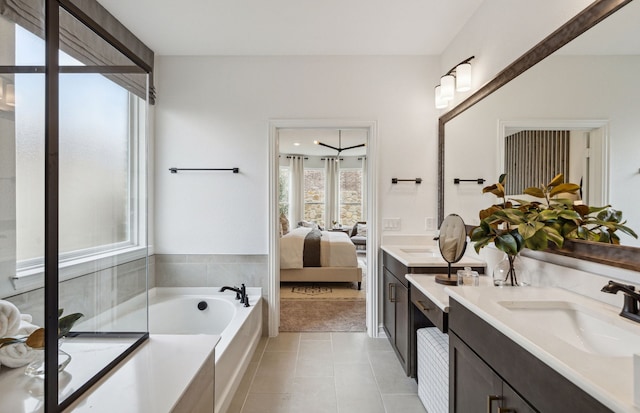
<point>615,255</point>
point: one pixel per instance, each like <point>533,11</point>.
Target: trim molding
<point>372,216</point>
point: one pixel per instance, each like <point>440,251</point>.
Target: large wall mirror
<point>583,82</point>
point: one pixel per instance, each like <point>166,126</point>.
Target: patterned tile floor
<point>325,373</point>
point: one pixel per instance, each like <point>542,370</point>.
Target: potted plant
<point>514,224</point>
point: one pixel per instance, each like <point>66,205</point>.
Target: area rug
<point>321,291</point>
<point>324,307</point>
<point>322,315</point>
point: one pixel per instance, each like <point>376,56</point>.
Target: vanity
<point>400,318</point>
<point>539,349</point>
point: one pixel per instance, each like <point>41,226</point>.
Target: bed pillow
<point>308,224</point>
<point>284,224</point>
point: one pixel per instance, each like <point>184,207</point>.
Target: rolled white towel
<point>17,355</point>
<point>9,319</point>
<point>26,317</point>
<point>26,328</point>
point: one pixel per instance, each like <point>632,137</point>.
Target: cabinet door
<point>512,402</point>
<point>402,322</point>
<point>389,306</point>
<point>473,386</point>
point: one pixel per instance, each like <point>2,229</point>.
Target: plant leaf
<point>533,191</point>
<point>557,180</point>
<point>506,243</point>
<point>564,188</point>
<point>554,236</point>
<point>66,323</point>
<point>36,339</point>
<point>538,241</point>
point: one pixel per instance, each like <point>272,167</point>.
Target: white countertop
<point>426,256</point>
<point>153,378</point>
<point>427,285</point>
<point>607,378</point>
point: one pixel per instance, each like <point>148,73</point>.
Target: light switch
<point>391,224</point>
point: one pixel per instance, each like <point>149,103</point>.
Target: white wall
<point>215,111</point>
<point>501,31</point>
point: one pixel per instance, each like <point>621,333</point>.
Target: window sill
<point>33,278</point>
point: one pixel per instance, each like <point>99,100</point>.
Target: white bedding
<point>336,249</point>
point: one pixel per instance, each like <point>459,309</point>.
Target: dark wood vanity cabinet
<point>395,306</point>
<point>488,372</point>
<point>476,387</point>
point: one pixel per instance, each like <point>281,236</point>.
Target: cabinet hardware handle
<point>423,307</point>
<point>505,410</point>
<point>490,399</point>
<point>392,293</point>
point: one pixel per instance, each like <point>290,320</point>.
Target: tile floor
<point>325,373</point>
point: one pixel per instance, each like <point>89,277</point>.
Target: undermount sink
<point>424,252</point>
<point>582,328</point>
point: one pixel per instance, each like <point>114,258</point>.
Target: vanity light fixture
<point>457,79</point>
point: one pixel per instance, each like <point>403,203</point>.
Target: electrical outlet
<point>429,224</point>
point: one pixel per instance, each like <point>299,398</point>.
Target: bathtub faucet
<point>241,294</point>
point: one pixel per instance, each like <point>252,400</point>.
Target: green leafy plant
<point>36,338</point>
<point>514,224</point>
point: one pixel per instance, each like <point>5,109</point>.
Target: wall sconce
<point>457,79</point>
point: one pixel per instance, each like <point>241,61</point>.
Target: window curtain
<point>364,188</point>
<point>296,201</point>
<point>332,192</point>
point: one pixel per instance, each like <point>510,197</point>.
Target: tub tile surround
<point>324,373</point>
<point>93,293</point>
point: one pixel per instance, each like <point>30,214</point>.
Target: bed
<point>311,255</point>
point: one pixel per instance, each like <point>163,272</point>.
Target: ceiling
<point>343,138</point>
<point>294,27</point>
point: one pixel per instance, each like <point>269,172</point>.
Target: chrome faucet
<point>631,298</point>
<point>241,294</point>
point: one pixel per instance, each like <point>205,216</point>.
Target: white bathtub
<point>175,311</point>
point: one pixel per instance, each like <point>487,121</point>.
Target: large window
<point>350,196</point>
<point>99,177</point>
<point>284,183</point>
<point>314,188</point>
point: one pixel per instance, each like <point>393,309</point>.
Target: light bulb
<point>447,87</point>
<point>463,77</point>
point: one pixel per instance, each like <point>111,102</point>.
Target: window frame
<point>30,272</point>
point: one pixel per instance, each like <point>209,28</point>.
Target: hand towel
<point>9,319</point>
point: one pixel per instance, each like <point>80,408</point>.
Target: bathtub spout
<point>241,294</point>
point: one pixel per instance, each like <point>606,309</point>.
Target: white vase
<point>511,272</point>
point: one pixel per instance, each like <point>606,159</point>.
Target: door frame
<point>372,293</point>
<point>563,124</point>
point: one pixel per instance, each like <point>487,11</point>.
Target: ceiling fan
<point>339,148</point>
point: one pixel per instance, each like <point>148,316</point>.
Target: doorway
<point>347,148</point>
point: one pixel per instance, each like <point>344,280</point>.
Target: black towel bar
<point>396,180</point>
<point>479,181</point>
<point>175,170</point>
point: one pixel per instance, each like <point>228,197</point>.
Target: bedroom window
<point>350,196</point>
<point>284,180</point>
<point>314,188</point>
